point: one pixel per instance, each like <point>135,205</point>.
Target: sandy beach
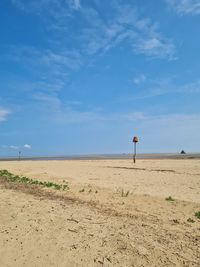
<point>115,213</point>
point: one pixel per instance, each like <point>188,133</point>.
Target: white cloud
<point>27,146</point>
<point>14,147</point>
<point>140,79</point>
<point>185,6</point>
<point>155,46</point>
<point>75,4</point>
<point>151,44</point>
<point>4,113</point>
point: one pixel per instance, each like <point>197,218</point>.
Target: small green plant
<point>190,220</point>
<point>22,179</point>
<point>124,193</point>
<point>197,214</point>
<point>169,198</point>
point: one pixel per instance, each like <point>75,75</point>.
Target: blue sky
<point>84,76</point>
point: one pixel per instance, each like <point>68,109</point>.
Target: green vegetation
<point>197,214</point>
<point>169,198</point>
<point>190,220</point>
<point>22,179</point>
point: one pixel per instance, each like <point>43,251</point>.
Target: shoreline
<point>106,157</point>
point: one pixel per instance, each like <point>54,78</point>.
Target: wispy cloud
<point>179,125</point>
<point>48,69</point>
<point>10,147</point>
<point>16,147</point>
<point>53,108</point>
<point>45,59</point>
<point>51,68</point>
<point>4,113</point>
<point>98,33</point>
<point>54,8</point>
<point>156,46</point>
<point>191,7</point>
<point>162,86</point>
<point>140,79</point>
<point>170,86</point>
<point>142,34</point>
<point>173,132</point>
<point>27,146</point>
<point>13,147</point>
<point>76,4</point>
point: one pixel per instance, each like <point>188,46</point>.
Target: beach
<point>115,213</point>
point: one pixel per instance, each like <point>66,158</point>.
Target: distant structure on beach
<point>183,152</point>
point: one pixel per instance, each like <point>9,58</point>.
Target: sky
<point>85,76</point>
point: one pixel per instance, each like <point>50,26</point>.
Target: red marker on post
<point>135,140</point>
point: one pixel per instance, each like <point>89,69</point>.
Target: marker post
<point>135,141</point>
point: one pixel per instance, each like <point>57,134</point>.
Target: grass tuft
<point>197,214</point>
<point>169,198</point>
<point>22,179</point>
<point>190,220</point>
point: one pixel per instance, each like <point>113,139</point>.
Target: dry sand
<point>92,224</point>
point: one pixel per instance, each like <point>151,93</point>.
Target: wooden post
<point>135,140</point>
<point>134,152</point>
